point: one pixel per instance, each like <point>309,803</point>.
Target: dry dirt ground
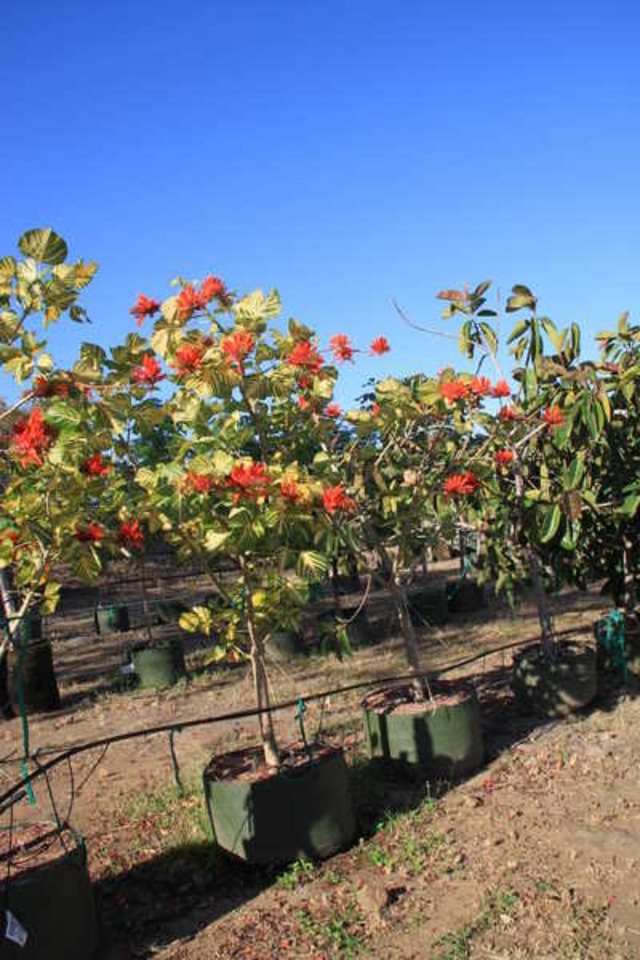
<point>536,856</point>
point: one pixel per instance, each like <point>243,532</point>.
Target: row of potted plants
<point>219,433</point>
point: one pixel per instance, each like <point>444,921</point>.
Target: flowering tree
<point>529,483</point>
<point>249,485</point>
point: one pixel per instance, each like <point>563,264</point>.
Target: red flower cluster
<point>461,484</point>
<point>188,359</point>
<point>198,482</point>
<point>333,410</point>
<point>480,386</point>
<point>375,409</point>
<point>131,535</point>
<point>305,355</point>
<point>51,388</point>
<point>289,490</point>
<point>250,480</point>
<point>341,347</point>
<point>503,457</point>
<point>553,417</point>
<point>453,390</point>
<point>31,438</point>
<point>190,300</point>
<point>507,413</point>
<point>379,346</point>
<point>501,389</point>
<point>144,307</point>
<point>95,466</point>
<point>91,534</point>
<point>335,498</point>
<point>148,372</point>
<point>236,347</point>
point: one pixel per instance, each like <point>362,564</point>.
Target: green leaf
<point>550,524</point>
<point>574,474</point>
<point>44,245</point>
<point>63,415</point>
<point>214,539</point>
<point>630,505</point>
<point>312,564</point>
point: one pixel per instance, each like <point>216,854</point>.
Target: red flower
<point>503,457</point>
<point>187,302</point>
<point>453,390</point>
<point>210,288</point>
<point>188,359</point>
<point>501,389</point>
<point>341,347</point>
<point>198,482</point>
<point>144,307</point>
<point>31,438</point>
<point>131,536</point>
<point>335,498</point>
<point>250,479</point>
<point>507,413</point>
<point>95,466</point>
<point>480,386</point>
<point>333,410</point>
<point>149,372</point>
<point>91,534</point>
<point>289,490</point>
<point>379,346</point>
<point>461,484</point>
<point>304,383</point>
<point>306,356</point>
<point>236,347</point>
<point>553,417</point>
<point>51,388</point>
<point>303,403</point>
<point>375,409</point>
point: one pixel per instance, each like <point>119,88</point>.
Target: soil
<point>536,856</point>
<point>404,700</point>
<point>249,764</point>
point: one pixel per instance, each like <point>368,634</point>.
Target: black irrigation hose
<point>14,794</point>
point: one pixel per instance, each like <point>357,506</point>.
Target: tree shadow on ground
<point>174,895</point>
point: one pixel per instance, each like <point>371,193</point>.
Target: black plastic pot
<point>33,663</point>
<point>441,742</point>
<point>555,687</point>
<point>161,665</point>
<point>429,607</point>
<point>111,619</point>
<point>53,903</point>
<point>465,596</point>
<point>284,645</point>
<point>302,811</point>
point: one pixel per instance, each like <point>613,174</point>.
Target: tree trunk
<point>412,654</point>
<point>260,682</point>
<point>547,631</point>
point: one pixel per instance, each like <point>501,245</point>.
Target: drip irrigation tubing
<point>19,789</point>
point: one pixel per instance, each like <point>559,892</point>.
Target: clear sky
<point>345,151</point>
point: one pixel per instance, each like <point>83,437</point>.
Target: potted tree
<point>404,443</point>
<point>244,493</point>
<point>535,486</point>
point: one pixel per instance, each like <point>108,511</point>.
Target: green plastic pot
<point>555,687</point>
<point>161,665</point>
<point>306,811</point>
<point>444,742</point>
<point>111,619</point>
<point>54,904</point>
<point>33,662</point>
<point>465,596</point>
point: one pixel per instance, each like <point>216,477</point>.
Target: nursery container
<point>433,739</point>
<point>160,665</point>
<point>555,687</point>
<point>277,817</point>
<point>111,619</point>
<point>33,663</point>
<point>465,596</point>
<point>283,645</point>
<point>53,904</point>
<point>429,607</point>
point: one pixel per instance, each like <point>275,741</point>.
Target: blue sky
<point>345,152</point>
